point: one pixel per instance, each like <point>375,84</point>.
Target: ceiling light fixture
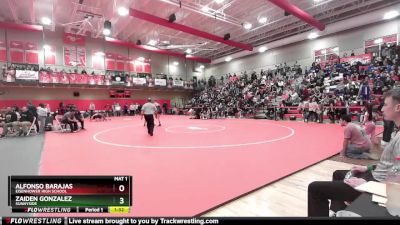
<point>107,28</point>
<point>313,35</point>
<point>262,49</point>
<point>247,26</point>
<point>390,15</point>
<point>205,9</point>
<point>152,42</point>
<point>262,20</point>
<point>378,41</point>
<point>99,53</point>
<point>46,21</point>
<point>122,11</point>
<point>228,59</point>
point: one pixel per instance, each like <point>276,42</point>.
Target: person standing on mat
<point>148,111</point>
<point>159,112</point>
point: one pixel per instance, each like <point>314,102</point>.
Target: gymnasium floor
<point>188,167</point>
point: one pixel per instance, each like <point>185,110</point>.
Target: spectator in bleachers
<point>365,92</point>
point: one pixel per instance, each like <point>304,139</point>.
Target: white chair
<point>32,127</point>
<point>62,127</point>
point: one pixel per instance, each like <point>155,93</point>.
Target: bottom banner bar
<point>181,220</point>
<point>34,220</point>
<point>44,209</point>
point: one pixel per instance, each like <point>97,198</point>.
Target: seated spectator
<point>69,118</point>
<point>79,117</point>
<point>356,143</point>
<point>11,120</point>
<point>25,122</point>
<point>341,189</point>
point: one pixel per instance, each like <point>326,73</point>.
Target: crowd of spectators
<point>17,121</point>
<point>316,91</point>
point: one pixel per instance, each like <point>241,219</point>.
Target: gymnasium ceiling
<point>86,17</point>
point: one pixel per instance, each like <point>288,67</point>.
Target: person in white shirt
<point>132,109</point>
<point>42,115</point>
<point>148,112</point>
<point>92,107</point>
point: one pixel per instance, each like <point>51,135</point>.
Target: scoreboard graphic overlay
<point>70,194</point>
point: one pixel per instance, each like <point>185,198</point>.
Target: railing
<point>65,79</point>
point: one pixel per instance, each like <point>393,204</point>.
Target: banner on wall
<point>26,75</point>
<point>178,83</point>
<point>323,64</point>
<point>121,62</point>
<point>9,76</point>
<point>17,51</point>
<point>139,80</point>
<point>160,82</point>
<point>363,58</point>
<point>74,39</point>
<point>97,60</point>
<point>99,79</point>
<point>74,56</point>
<point>64,79</point>
<point>55,77</point>
<point>3,51</point>
<point>31,53</point>
<point>44,77</point>
<point>50,55</point>
<point>81,57</point>
<point>374,42</point>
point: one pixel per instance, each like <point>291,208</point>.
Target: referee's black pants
<point>150,123</point>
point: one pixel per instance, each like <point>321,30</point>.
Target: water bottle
<point>393,189</point>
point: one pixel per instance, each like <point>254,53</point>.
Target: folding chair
<point>63,127</point>
<point>32,127</point>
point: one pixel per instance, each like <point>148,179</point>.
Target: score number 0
<point>121,188</point>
